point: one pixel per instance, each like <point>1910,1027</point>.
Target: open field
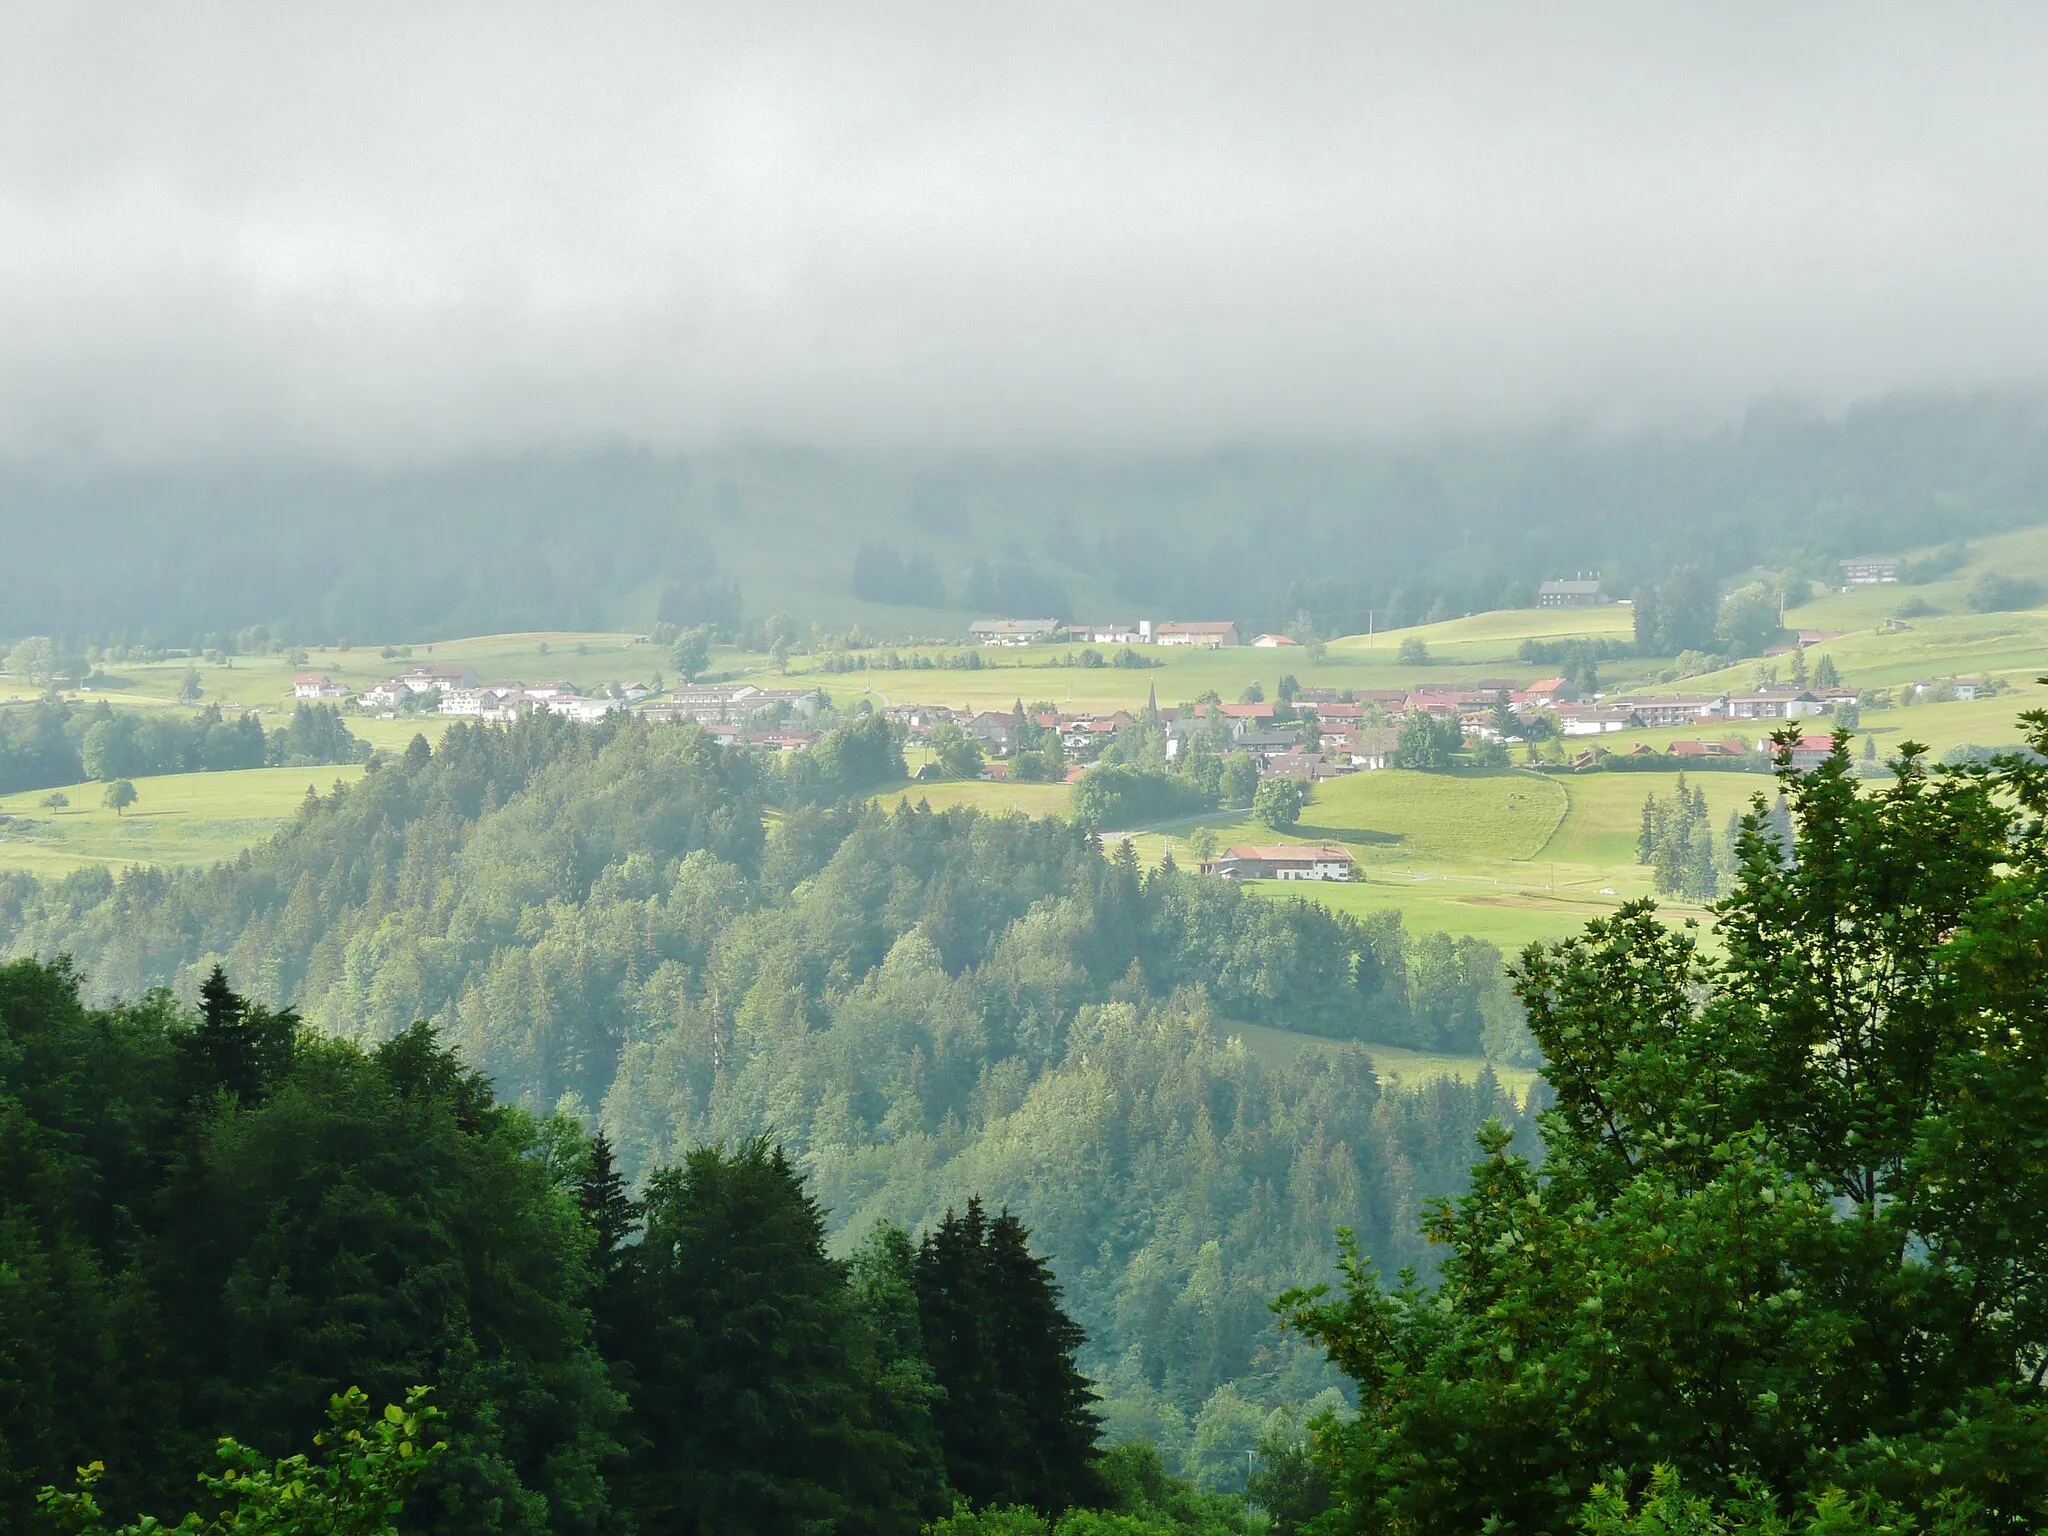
<point>1279,1047</point>
<point>182,818</point>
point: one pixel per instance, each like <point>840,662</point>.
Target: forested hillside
<point>908,544</point>
<point>690,944</point>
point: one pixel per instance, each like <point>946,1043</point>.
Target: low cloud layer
<point>378,230</point>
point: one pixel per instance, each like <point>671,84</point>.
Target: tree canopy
<point>1788,1245</point>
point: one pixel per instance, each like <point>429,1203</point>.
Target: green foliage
<point>919,1006</point>
<point>958,754</point>
<point>34,661</point>
<point>1111,796</point>
<point>1676,840</point>
<point>359,1488</point>
<point>1748,621</point>
<point>119,796</point>
<point>1017,1426</point>
<point>317,735</point>
<point>1413,652</point>
<point>1998,592</point>
<point>691,654</point>
<point>755,1400</point>
<point>1788,1233</point>
<point>1279,803</point>
<point>57,742</point>
<point>1426,742</point>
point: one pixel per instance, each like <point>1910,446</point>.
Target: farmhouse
<point>388,694</point>
<point>318,686</point>
<point>1139,633</point>
<point>1706,749</point>
<point>1580,592</point>
<point>1272,642</point>
<point>1547,694</point>
<point>1214,635</point>
<point>1283,861</point>
<point>1013,631</point>
<point>1869,570</point>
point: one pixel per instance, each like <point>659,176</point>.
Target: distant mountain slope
<point>601,540</point>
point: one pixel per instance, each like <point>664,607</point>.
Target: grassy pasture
<point>1283,1047</point>
<point>177,819</point>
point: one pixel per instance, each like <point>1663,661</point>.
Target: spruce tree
<point>233,1046</point>
<point>1017,1425</point>
<point>1646,838</point>
<point>754,1395</point>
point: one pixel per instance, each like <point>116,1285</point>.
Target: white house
<point>1213,634</point>
<point>1283,861</point>
<point>1272,642</point>
<point>1869,570</point>
<point>1012,631</point>
<point>421,679</point>
<point>311,686</point>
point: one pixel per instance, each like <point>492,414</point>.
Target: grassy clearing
<point>1282,1047</point>
<point>1397,818</point>
<point>178,819</point>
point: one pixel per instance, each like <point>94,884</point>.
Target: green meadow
<point>177,819</point>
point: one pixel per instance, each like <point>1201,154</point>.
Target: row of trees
<point>54,741</point>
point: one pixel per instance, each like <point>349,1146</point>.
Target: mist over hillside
<point>907,544</point>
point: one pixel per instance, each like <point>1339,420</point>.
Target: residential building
<point>1283,861</point>
<point>1314,767</point>
<point>318,686</point>
<point>1547,694</point>
<point>1705,749</point>
<point>1869,570</point>
<point>1139,633</point>
<point>992,727</point>
<point>1808,753</point>
<point>421,679</point>
<point>1273,642</point>
<point>1013,631</point>
<point>1214,635</point>
<point>1658,711</point>
<point>1595,719</point>
<point>1778,703</point>
<point>1580,592</point>
<point>388,694</point>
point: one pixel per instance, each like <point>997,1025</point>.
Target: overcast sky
<point>420,228</point>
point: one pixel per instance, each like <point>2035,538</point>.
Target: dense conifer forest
<point>690,945</point>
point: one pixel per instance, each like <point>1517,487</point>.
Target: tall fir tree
<point>755,1377</point>
<point>1018,1427</point>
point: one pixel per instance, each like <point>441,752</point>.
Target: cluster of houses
<point>1207,634</point>
<point>458,692</point>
